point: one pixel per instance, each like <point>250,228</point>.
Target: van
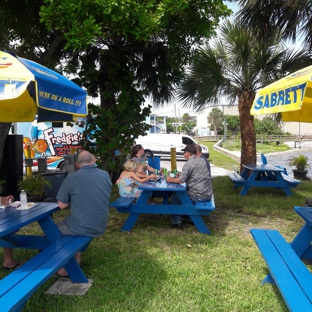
<point>161,144</point>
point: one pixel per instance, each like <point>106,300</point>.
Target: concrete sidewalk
<point>215,171</point>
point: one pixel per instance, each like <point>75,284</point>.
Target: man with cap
<point>196,176</point>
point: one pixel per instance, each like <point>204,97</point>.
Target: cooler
<point>56,177</point>
<point>154,162</point>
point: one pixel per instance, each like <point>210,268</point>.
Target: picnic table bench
<point>284,262</point>
<point>17,287</point>
<point>164,189</point>
<point>261,175</point>
<point>292,181</point>
<point>56,251</point>
<point>236,178</point>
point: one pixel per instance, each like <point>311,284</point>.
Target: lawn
<point>157,268</point>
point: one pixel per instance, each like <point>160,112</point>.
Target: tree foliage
<point>170,124</point>
<point>232,122</point>
<point>187,123</point>
<point>291,17</point>
<point>215,118</point>
<point>267,126</point>
<point>118,50</point>
<point>235,66</point>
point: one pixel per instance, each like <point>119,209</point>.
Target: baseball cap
<point>189,148</point>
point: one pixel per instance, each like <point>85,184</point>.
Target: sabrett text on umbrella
<point>280,97</point>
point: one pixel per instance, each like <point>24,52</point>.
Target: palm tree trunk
<point>248,135</point>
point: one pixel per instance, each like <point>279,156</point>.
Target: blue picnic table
<point>284,260</point>
<point>163,189</point>
<point>56,251</point>
<point>263,175</point>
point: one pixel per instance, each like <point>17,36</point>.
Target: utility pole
<point>175,116</point>
<point>224,125</point>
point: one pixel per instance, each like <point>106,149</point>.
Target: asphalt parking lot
<point>275,159</point>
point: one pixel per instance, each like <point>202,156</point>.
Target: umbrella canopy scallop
<point>28,88</point>
<point>291,96</point>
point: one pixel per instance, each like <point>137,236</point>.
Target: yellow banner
<point>291,96</point>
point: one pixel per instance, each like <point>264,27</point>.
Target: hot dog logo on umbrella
<point>31,147</point>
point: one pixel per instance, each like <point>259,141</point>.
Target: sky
<point>173,109</point>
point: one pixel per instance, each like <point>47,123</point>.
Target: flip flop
<point>8,269</point>
<point>60,275</point>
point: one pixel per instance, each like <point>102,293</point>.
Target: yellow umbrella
<point>27,88</point>
<point>291,96</point>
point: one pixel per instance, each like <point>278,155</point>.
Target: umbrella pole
<point>29,161</point>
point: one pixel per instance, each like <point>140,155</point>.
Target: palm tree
<point>291,17</point>
<point>215,118</point>
<point>234,66</point>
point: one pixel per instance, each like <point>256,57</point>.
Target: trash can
<point>42,164</point>
<point>154,162</point>
<point>56,177</point>
<point>70,163</point>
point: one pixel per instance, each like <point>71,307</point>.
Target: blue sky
<point>233,6</point>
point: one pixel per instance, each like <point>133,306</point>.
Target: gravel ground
<point>280,159</point>
<point>276,159</point>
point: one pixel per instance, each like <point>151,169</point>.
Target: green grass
<point>228,163</point>
<point>261,148</point>
<point>156,268</point>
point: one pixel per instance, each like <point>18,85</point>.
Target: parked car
<point>161,144</point>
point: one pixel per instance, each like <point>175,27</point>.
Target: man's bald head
<point>85,158</point>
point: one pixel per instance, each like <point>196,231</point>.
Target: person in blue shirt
<point>87,191</point>
<point>199,154</point>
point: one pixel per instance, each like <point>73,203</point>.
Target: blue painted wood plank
<point>24,241</point>
<point>287,270</point>
<point>165,209</point>
<point>122,202</point>
<point>14,219</point>
<point>162,185</point>
<point>294,263</point>
<point>236,178</point>
<point>207,205</point>
<point>17,287</point>
<point>291,180</point>
<point>262,167</point>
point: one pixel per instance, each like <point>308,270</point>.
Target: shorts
<point>64,229</point>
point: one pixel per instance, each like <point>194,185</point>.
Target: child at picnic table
<point>130,179</point>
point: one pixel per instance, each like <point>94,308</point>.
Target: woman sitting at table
<point>137,154</point>
<point>129,179</point>
<point>8,263</point>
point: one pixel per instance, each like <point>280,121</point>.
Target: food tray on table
<point>30,205</point>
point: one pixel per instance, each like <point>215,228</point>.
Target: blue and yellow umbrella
<point>28,88</point>
<point>291,96</point>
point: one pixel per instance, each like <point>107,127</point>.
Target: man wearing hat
<point>196,176</point>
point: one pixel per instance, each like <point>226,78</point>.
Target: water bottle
<point>23,199</point>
